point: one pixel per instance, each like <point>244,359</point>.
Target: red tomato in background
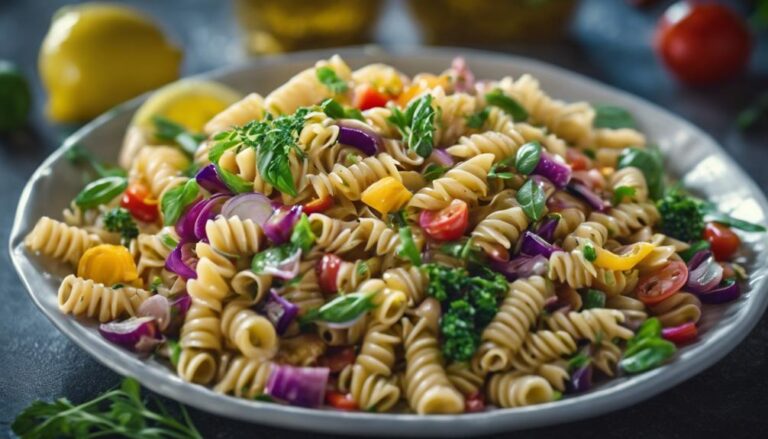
<point>341,401</point>
<point>370,98</point>
<point>703,43</point>
<point>447,224</point>
<point>137,200</point>
<point>327,270</point>
<point>723,242</point>
<point>656,287</point>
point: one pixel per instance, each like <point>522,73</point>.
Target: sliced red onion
<point>254,206</point>
<point>532,244</point>
<point>286,269</point>
<point>555,171</point>
<point>703,275</point>
<point>725,293</point>
<point>465,79</point>
<point>279,311</point>
<point>185,226</point>
<point>442,158</point>
<point>521,267</point>
<point>594,200</point>
<point>359,135</point>
<point>208,178</point>
<point>300,386</point>
<point>279,226</point>
<point>183,261</point>
<point>129,333</point>
<point>157,307</point>
<point>546,229</point>
<point>581,379</point>
<point>209,212</point>
<point>181,305</point>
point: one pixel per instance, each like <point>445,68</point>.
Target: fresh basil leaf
<point>327,76</point>
<point>650,163</point>
<point>477,120</point>
<point>589,252</point>
<point>611,116</point>
<point>176,200</point>
<point>497,98</point>
<point>416,125</point>
<point>343,308</point>
<point>335,110</point>
<point>648,354</point>
<point>271,257</point>
<point>651,328</point>
<point>622,192</point>
<point>528,157</point>
<point>593,299</point>
<point>532,200</point>
<point>302,236</point>
<point>501,175</point>
<point>695,247</point>
<point>434,171</point>
<point>736,223</point>
<point>234,182</point>
<point>101,191</point>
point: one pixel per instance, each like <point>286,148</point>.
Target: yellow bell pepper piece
<point>624,261</point>
<point>108,264</point>
<point>386,195</point>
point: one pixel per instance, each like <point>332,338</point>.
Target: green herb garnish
<point>434,171</point>
<point>647,349</point>
<point>170,131</point>
<point>119,220</point>
<point>327,76</point>
<point>78,155</point>
<point>416,124</point>
<point>528,157</point>
<point>301,239</point>
<point>611,116</point>
<point>650,162</point>
<point>335,110</point>
<point>174,349</point>
<point>589,252</point>
<point>593,299</point>
<point>175,200</point>
<point>497,98</point>
<point>407,248</point>
<point>342,309</point>
<point>621,193</point>
<point>532,200</point>
<point>505,163</point>
<point>477,120</point>
<point>101,191</point>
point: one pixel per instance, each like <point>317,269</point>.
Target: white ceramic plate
<point>691,155</point>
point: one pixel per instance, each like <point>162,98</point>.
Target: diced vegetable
<point>360,136</point>
<point>279,311</point>
<point>386,195</point>
<point>108,264</point>
<point>300,386</point>
<point>704,273</point>
<point>532,244</point>
<point>208,178</point>
<point>137,334</point>
<point>626,259</point>
<point>182,261</point>
<point>279,226</point>
<point>253,206</point>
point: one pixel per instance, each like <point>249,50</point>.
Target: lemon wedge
<point>189,102</point>
<point>97,55</point>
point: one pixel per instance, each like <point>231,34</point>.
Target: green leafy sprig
<point>416,124</point>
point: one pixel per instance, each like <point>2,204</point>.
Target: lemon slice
<point>188,102</point>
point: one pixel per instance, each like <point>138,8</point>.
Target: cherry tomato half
<point>474,403</point>
<point>318,205</point>
<point>703,43</point>
<point>577,159</point>
<point>447,224</point>
<point>337,358</point>
<point>369,97</point>
<point>341,401</point>
<point>327,270</point>
<point>138,201</point>
<point>723,242</point>
<point>657,286</point>
<point>682,334</point>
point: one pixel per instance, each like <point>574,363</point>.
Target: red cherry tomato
<point>723,242</point>
<point>337,358</point>
<point>475,403</point>
<point>703,43</point>
<point>318,205</point>
<point>577,159</point>
<point>327,270</point>
<point>682,334</point>
<point>138,201</point>
<point>341,401</point>
<point>369,97</point>
<point>446,224</point>
<point>657,286</point>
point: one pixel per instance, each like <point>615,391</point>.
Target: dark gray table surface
<point>609,43</point>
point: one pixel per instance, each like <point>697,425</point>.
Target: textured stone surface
<point>36,361</point>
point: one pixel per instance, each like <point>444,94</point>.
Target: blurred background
<point>706,63</point>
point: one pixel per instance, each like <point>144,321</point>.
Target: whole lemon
<point>97,55</point>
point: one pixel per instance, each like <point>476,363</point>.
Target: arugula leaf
<point>651,163</point>
<point>532,200</point>
<point>736,223</point>
<point>416,124</point>
<point>528,157</point>
<point>335,110</point>
<point>611,116</point>
<point>434,171</point>
<point>477,120</point>
<point>176,200</point>
<point>327,76</point>
<point>101,191</point>
<point>342,309</point>
<point>622,192</point>
<point>497,98</point>
<point>170,131</point>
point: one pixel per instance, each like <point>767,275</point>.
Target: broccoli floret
<point>445,282</point>
<point>119,220</point>
<point>460,337</point>
<point>681,216</point>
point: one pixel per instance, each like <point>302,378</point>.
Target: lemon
<point>189,102</point>
<point>97,55</point>
<point>15,98</point>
